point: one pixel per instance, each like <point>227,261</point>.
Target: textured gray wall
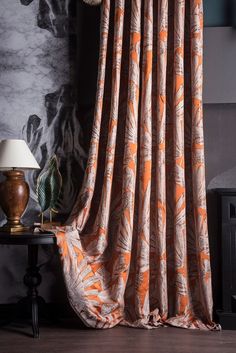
<point>219,65</point>
<point>220,145</point>
<point>47,92</point>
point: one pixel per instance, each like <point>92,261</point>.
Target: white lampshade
<point>16,154</point>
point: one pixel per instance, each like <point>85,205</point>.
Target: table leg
<point>35,324</point>
<point>32,280</point>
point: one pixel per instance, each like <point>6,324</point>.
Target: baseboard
<point>227,320</point>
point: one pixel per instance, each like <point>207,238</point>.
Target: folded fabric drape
<point>135,250</point>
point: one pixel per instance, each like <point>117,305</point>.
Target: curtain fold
<point>135,250</point>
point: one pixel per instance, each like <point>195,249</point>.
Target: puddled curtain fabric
<point>136,251</point>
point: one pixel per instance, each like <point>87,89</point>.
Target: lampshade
<point>16,154</point>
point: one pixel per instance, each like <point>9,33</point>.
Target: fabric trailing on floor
<point>135,251</point>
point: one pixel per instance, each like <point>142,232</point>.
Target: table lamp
<point>15,156</point>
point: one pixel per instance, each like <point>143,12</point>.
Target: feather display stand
<point>48,190</point>
<point>93,2</point>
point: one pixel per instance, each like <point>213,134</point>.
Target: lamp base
<point>14,196</point>
<point>8,228</point>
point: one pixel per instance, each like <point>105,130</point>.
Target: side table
<point>32,278</point>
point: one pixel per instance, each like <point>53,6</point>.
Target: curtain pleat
<point>135,250</point>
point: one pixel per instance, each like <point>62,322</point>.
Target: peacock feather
<point>49,185</point>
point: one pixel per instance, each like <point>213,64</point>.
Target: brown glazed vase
<point>14,197</point>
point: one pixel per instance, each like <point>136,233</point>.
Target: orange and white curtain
<point>135,251</point>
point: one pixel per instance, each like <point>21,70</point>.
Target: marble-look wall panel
<point>41,56</point>
<point>33,63</point>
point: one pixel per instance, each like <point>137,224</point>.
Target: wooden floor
<point>71,339</point>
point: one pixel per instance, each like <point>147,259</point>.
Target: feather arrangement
<point>48,188</point>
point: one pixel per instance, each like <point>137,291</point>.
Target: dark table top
<point>27,238</point>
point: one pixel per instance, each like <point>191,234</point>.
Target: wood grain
<point>72,339</point>
<point>14,196</point>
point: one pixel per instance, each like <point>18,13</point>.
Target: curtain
<point>135,251</point>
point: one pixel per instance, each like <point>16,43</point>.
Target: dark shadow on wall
<point>88,22</point>
<point>219,13</point>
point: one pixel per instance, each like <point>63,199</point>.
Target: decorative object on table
<point>15,156</point>
<point>93,2</point>
<point>48,189</point>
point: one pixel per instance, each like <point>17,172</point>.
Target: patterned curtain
<point>135,250</point>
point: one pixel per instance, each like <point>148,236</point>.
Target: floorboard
<point>69,339</point>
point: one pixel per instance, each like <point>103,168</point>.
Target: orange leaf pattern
<point>135,250</point>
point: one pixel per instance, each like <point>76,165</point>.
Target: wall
<point>220,145</point>
<point>47,93</point>
<point>218,12</point>
<point>219,54</point>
